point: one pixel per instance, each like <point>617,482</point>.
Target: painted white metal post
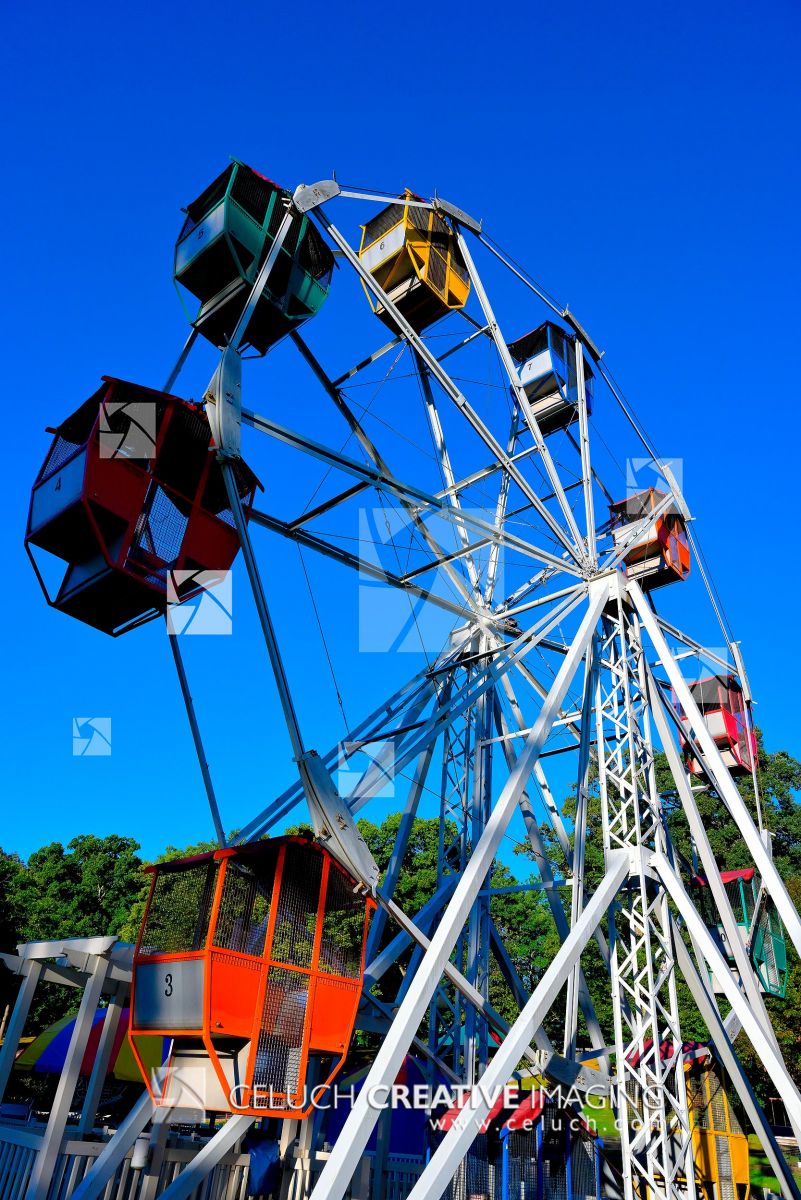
<point>206,1160</point>
<point>724,784</point>
<point>100,1066</point>
<point>31,971</point>
<point>724,1051</point>
<point>356,1132</point>
<point>771,1058</point>
<point>454,1146</point>
<point>42,1172</point>
<point>113,1153</point>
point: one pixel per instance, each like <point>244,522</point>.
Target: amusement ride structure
<point>480,476</point>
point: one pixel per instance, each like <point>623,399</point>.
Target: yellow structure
<point>413,255</point>
<point>720,1148</point>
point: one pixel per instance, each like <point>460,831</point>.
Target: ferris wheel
<point>465,459</point>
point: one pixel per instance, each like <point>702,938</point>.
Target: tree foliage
<point>97,886</point>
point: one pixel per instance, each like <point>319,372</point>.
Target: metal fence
<point>19,1147</point>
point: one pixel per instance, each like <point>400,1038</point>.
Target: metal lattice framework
<point>554,665</point>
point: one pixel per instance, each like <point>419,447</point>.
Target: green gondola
<point>226,237</point>
<point>760,925</point>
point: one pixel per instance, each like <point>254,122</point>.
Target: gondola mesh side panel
<point>725,1180</point>
<point>276,1072</point>
<point>252,193</point>
<point>244,912</point>
<point>582,1162</point>
<point>60,451</point>
<point>474,1176</point>
<point>699,1106</point>
<point>718,1101</point>
<point>298,902</point>
<point>178,918</point>
<point>522,1166</point>
<point>161,528</point>
<point>768,950</point>
<point>343,928</point>
<point>554,1157</point>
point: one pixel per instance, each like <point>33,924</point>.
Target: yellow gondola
<point>412,253</point>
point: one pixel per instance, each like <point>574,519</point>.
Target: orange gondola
<point>251,959</point>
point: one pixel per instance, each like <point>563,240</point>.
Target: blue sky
<point>640,161</point>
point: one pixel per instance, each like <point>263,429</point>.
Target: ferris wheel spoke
<point>368,445</point>
<point>522,399</point>
<point>370,728</point>
<point>500,663</point>
<point>364,566</point>
<point>500,511</point>
<point>554,816</point>
<point>407,494</point>
<point>550,886</point>
<point>400,846</point>
<point>451,389</point>
<point>197,739</point>
<point>586,465</point>
<point>445,465</point>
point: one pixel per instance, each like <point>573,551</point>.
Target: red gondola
<point>722,705</point>
<point>130,493</point>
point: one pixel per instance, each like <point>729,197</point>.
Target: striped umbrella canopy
<point>48,1051</point>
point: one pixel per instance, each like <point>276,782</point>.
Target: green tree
<point>83,891</point>
<point>130,925</point>
<point>11,867</point>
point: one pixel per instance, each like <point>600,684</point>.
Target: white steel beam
<point>718,772</point>
<point>454,1146</point>
<point>584,441</point>
<point>771,1058</point>
<point>552,895</point>
<point>522,398</point>
<point>725,1052</point>
<point>707,857</point>
<point>30,969</point>
<point>42,1172</point>
<point>103,1169</point>
<point>206,1160</point>
<point>359,1125</point>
